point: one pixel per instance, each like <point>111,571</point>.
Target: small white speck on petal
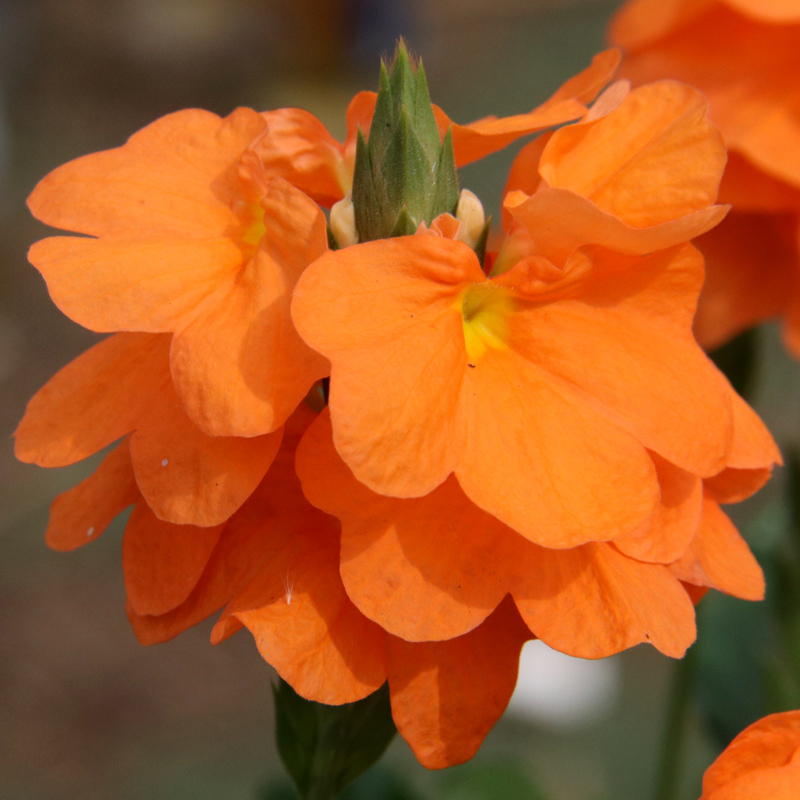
<point>90,531</point>
<point>165,462</point>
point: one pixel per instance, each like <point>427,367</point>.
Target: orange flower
<point>538,453</point>
<point>744,55</point>
<point>477,375</point>
<point>761,763</point>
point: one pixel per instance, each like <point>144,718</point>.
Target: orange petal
<point>188,477</point>
<point>385,314</point>
<point>622,334</point>
<point>779,783</point>
<point>177,176</point>
<point>249,539</point>
<point>665,537</point>
<point>424,569</point>
<point>542,459</point>
<point>655,158</point>
<point>718,557</point>
<point>304,624</point>
<point>769,743</point>
<point>485,136</point>
<point>593,601</point>
<point>561,221</point>
<point>240,367</point>
<point>446,696</point>
<point>768,10</point>
<point>161,562</point>
<point>751,275</point>
<point>81,514</point>
<point>296,146</point>
<point>94,400</point>
<point>149,284</point>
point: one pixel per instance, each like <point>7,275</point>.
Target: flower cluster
<point>398,457</point>
<point>745,56</point>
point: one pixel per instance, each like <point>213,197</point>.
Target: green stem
<point>673,742</point>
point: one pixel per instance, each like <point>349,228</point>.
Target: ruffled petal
<point>655,158</point>
<point>560,221</point>
<point>148,284</point>
<point>718,557</point>
<point>95,400</point>
<point>446,696</point>
<point>593,601</point>
<point>424,569</point>
<point>296,146</point>
<point>81,514</point>
<point>176,177</point>
<point>162,563</point>
<point>622,333</point>
<point>240,367</point>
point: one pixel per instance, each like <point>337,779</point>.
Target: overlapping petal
<point>442,703</point>
<point>122,385</point>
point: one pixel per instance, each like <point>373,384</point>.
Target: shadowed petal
<point>79,515</point>
<point>446,696</point>
<point>161,562</point>
<point>593,601</point>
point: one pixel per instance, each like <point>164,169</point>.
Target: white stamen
<point>469,212</point>
<point>165,462</point>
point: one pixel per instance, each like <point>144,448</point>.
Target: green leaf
<point>326,747</point>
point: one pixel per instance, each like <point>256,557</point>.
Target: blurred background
<point>85,712</point>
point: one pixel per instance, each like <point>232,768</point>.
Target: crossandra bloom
<point>745,56</point>
<point>761,763</point>
<point>514,444</point>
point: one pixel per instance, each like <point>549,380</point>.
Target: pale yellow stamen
<point>485,311</point>
<point>343,222</point>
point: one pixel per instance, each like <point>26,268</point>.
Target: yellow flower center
<point>485,309</point>
<point>255,231</point>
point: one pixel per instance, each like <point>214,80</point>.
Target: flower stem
<point>673,738</point>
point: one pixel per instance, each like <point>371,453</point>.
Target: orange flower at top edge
<point>745,56</point>
<point>761,763</point>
